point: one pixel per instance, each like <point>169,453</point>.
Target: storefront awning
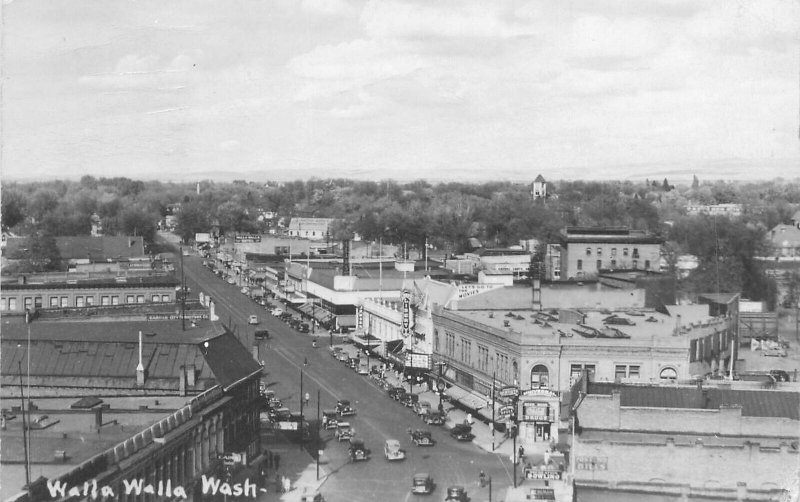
<point>466,397</point>
<point>394,346</point>
<point>366,340</point>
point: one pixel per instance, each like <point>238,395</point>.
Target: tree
<point>13,208</point>
<point>192,219</point>
<point>39,253</point>
<point>695,182</point>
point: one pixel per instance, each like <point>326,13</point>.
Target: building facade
<point>310,228</point>
<point>584,252</point>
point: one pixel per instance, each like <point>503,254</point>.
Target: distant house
<point>310,228</point>
<point>539,188</point>
<point>784,239</point>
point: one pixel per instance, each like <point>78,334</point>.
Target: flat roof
<point>105,282</point>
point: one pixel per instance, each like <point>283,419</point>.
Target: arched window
<point>514,371</point>
<point>668,374</point>
<point>540,377</point>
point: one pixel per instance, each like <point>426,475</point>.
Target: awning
<point>394,346</point>
<point>366,340</point>
<point>466,397</point>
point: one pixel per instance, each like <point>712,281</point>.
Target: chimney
<point>140,366</point>
<point>98,418</point>
<point>677,325</point>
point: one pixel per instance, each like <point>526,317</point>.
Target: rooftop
<point>50,282</point>
<point>607,234</point>
<point>754,403</point>
<point>80,247</point>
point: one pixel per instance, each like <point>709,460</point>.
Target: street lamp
<point>440,386</point>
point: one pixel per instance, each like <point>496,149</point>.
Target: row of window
<point>621,371</point>
<point>37,302</point>
<point>613,252</point>
<point>613,264</point>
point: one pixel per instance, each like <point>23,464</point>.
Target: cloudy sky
<point>403,89</point>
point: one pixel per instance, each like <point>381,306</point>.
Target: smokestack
<point>677,325</point>
<point>140,366</point>
<point>98,418</point>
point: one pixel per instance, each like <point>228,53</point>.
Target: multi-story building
<point>684,442</point>
<point>539,188</point>
<point>784,240</point>
<point>117,401</point>
<point>69,291</point>
<point>514,262</point>
<point>584,252</point>
<point>475,346</point>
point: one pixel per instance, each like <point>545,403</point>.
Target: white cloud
<point>327,7</point>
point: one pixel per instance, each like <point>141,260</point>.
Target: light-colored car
<point>392,450</point>
<point>343,431</point>
<point>253,319</point>
<point>421,483</point>
<point>276,312</point>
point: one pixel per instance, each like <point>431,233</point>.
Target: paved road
<point>378,417</point>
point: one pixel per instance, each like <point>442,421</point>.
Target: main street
<point>378,417</point>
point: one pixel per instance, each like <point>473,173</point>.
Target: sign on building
<point>406,312</point>
<point>240,238</point>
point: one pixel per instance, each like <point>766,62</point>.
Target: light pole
<point>302,418</point>
<point>440,386</point>
<point>316,440</point>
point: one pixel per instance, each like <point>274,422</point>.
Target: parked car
<point>410,400</point>
<point>357,450</point>
<point>343,431</point>
<point>303,327</point>
<point>311,496</point>
<point>335,351</point>
<point>330,419</point>
<point>253,319</point>
<point>392,450</point>
<point>344,409</point>
<point>276,312</point>
<point>396,393</point>
<point>422,408</point>
<point>280,414</point>
<point>421,483</point>
<point>773,351</point>
<point>261,334</point>
<point>434,418</point>
<point>422,437</point>
<point>343,356</point>
<point>462,432</point>
<point>245,291</point>
<point>456,494</point>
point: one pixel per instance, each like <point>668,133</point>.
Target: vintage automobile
<point>343,356</point>
<point>456,494</point>
<point>261,334</point>
<point>311,496</point>
<point>357,450</point>
<point>335,351</point>
<point>422,437</point>
<point>410,400</point>
<point>344,409</point>
<point>434,418</point>
<point>422,408</point>
<point>421,483</point>
<point>330,419</point>
<point>253,319</point>
<point>396,393</point>
<point>343,431</point>
<point>280,414</point>
<point>392,450</point>
<point>303,327</point>
<point>462,432</point>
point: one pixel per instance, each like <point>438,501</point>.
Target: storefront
<point>539,415</point>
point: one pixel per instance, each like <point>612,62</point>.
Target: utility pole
<point>316,441</point>
<point>494,375</point>
<point>183,293</point>
<point>24,429</point>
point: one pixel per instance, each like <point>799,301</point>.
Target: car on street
<point>773,352</point>
<point>253,319</point>
<point>462,432</point>
<point>303,327</point>
<point>421,483</point>
<point>280,414</point>
<point>456,494</point>
<point>245,291</point>
<point>392,450</point>
<point>344,409</point>
<point>276,312</point>
<point>396,393</point>
<point>410,400</point>
<point>330,419</point>
<point>343,431</point>
<point>357,450</point>
<point>343,356</point>
<point>422,408</point>
<point>434,418</point>
<point>422,437</point>
<point>261,334</point>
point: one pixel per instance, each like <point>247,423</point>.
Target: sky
<point>401,89</point>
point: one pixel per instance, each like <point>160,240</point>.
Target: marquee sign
<point>241,238</point>
<point>506,411</point>
<point>406,312</point>
<point>360,317</point>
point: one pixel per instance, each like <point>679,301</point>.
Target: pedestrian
<point>276,461</point>
<point>521,453</point>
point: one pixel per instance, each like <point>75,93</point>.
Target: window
<point>624,251</point>
<point>436,340</point>
<point>466,351</point>
<point>53,302</point>
<point>599,251</point>
<point>483,358</point>
<point>626,371</point>
<point>115,300</point>
<point>575,371</point>
<point>580,264</point>
<point>588,251</point>
<point>635,264</point>
<point>3,304</point>
<point>12,304</point>
<point>165,298</point>
<point>540,377</point>
<point>79,301</point>
<point>668,374</point>
<point>28,302</point>
<point>613,263</point>
<point>599,264</point>
<point>635,252</point>
<point>37,302</point>
<point>65,301</point>
<point>647,264</point>
<point>89,301</point>
<point>130,299</point>
<point>450,344</point>
<point>155,298</point>
<point>105,300</point>
<point>613,251</point>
